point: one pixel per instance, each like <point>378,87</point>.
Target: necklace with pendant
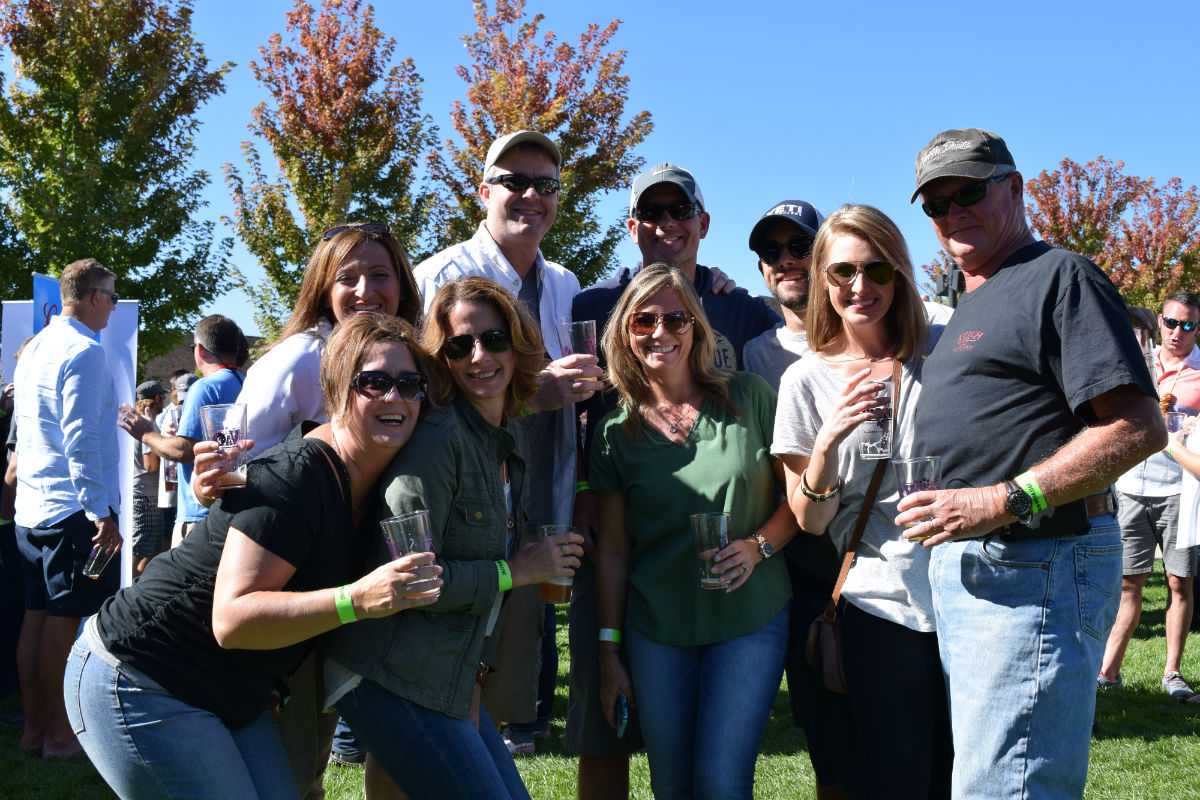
<point>687,408</point>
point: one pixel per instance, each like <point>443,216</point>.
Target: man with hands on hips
<point>1035,398</point>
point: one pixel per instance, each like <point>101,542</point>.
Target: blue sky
<point>823,102</point>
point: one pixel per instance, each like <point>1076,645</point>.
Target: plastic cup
<point>580,337</point>
<point>410,533</point>
<point>97,560</point>
<point>225,424</point>
<point>1175,421</point>
<point>919,474</point>
<point>875,435</point>
<point>558,589</point>
<point>710,533</point>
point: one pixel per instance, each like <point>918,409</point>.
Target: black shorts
<point>53,557</point>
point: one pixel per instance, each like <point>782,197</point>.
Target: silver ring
<point>745,569</point>
<point>563,547</point>
<point>932,524</point>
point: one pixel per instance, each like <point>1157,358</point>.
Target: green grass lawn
<point>1146,746</point>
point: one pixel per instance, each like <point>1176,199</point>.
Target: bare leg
<point>1128,615</point>
<point>603,777</point>
<point>379,784</point>
<point>1179,619</point>
<point>58,635</point>
<point>31,705</point>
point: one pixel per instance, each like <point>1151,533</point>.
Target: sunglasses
<point>375,385</point>
<point>517,183</point>
<point>799,246</point>
<point>964,197</point>
<point>1172,324</point>
<point>365,227</point>
<point>652,212</point>
<point>843,273</point>
<point>496,340</point>
<point>115,297</point>
<point>644,323</point>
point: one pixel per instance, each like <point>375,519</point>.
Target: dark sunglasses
<point>843,273</point>
<point>517,183</point>
<point>964,197</point>
<point>1172,324</point>
<point>496,340</point>
<point>365,227</point>
<point>800,247</point>
<point>643,323</point>
<point>652,212</point>
<point>375,385</point>
<point>115,297</point>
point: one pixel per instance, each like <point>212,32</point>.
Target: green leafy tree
<point>347,135</point>
<point>520,78</point>
<point>96,136</point>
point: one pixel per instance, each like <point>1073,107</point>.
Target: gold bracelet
<point>814,496</point>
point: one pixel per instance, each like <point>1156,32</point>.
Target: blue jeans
<point>147,744</point>
<point>702,709</point>
<point>428,754</point>
<point>1021,631</point>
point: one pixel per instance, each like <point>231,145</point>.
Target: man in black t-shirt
<point>1036,397</point>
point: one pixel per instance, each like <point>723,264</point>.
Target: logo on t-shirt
<point>967,340</point>
<point>725,357</point>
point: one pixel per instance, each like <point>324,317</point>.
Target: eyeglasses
<point>496,340</point>
<point>115,297</point>
<point>517,183</point>
<point>843,273</point>
<point>365,227</point>
<point>644,323</point>
<point>375,385</point>
<point>652,212</point>
<point>964,197</point>
<point>1172,324</point>
<point>799,246</point>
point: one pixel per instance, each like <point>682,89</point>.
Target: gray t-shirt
<point>890,575</point>
<point>773,351</point>
<point>145,484</point>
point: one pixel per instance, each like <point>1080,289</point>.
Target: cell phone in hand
<point>622,714</point>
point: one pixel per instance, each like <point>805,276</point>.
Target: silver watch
<point>765,548</point>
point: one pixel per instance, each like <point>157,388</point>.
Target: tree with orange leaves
<point>576,95</point>
<point>348,136</point>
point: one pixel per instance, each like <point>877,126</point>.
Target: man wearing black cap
<point>1036,397</point>
<point>667,220</point>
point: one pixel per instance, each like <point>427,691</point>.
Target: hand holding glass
<point>225,424</point>
<point>920,474</point>
<point>710,533</point>
<point>557,589</point>
<point>410,533</point>
<point>578,337</point>
<point>875,434</point>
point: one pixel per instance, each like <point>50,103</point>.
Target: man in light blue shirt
<point>68,492</point>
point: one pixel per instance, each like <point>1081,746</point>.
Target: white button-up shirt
<point>66,417</point>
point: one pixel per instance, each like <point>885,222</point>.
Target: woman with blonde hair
<point>701,667</point>
<point>406,684</point>
<point>866,327</point>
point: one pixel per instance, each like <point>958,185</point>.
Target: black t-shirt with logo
<point>1009,382</point>
<point>293,506</point>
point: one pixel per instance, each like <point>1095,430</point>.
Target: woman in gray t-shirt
<point>864,315</point>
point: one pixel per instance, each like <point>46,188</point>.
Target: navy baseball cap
<point>800,212</point>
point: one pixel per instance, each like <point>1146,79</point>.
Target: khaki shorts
<point>1148,523</point>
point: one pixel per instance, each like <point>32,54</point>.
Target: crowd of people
<point>275,625</point>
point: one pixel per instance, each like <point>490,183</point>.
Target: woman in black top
<point>169,687</point>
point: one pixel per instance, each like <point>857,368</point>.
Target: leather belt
<point>1100,504</point>
<point>1067,521</point>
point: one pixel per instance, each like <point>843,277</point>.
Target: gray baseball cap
<point>148,390</point>
<point>966,153</point>
<point>800,212</point>
<point>666,173</point>
<point>511,140</point>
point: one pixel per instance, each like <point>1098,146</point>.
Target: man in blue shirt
<point>220,351</point>
<point>68,497</point>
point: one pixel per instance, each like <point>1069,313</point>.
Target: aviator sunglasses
<point>517,183</point>
<point>496,340</point>
<point>799,246</point>
<point>365,227</point>
<point>967,196</point>
<point>652,212</point>
<point>643,323</point>
<point>1172,324</point>
<point>375,385</point>
<point>843,273</point>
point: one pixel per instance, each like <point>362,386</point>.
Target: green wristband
<point>505,577</point>
<point>345,606</point>
<point>1171,449</point>
<point>1029,484</point>
<point>582,486</point>
<point>5,521</point>
<point>610,635</point>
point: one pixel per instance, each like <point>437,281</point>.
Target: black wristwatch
<point>1019,504</point>
<point>765,548</point>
